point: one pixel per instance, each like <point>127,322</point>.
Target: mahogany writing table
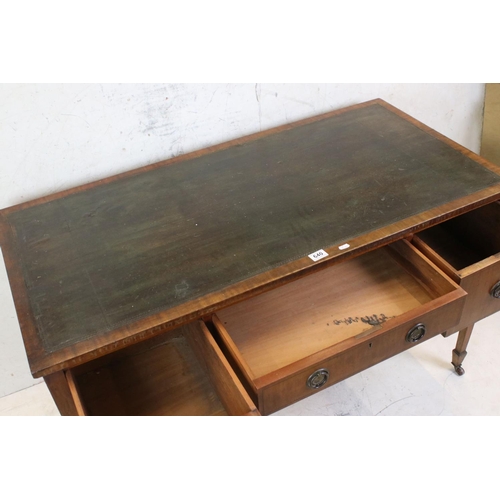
<point>244,277</point>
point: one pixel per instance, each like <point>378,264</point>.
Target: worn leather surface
<point>102,258</point>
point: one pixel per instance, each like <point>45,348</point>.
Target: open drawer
<point>323,328</point>
<point>467,248</point>
<point>179,373</point>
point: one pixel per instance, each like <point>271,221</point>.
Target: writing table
<point>246,276</point>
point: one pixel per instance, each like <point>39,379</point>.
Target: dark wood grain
<point>75,394</point>
<point>112,263</point>
<point>61,393</point>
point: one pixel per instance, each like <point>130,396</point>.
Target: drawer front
<point>372,350</point>
<point>482,284</point>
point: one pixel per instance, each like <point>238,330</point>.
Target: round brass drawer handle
<point>416,333</point>
<point>495,291</point>
<point>318,379</point>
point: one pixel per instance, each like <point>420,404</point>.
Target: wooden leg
<point>61,393</point>
<point>460,352</point>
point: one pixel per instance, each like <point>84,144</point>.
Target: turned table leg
<point>460,352</point>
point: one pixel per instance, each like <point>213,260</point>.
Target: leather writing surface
<point>102,258</point>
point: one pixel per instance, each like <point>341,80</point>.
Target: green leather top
<point>99,259</point>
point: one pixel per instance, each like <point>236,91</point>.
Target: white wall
<point>55,136</point>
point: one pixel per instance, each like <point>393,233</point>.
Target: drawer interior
<point>178,373</point>
<point>347,300</point>
<point>467,239</point>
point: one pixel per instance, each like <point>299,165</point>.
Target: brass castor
<point>460,371</point>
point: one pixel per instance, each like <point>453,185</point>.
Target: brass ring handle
<point>495,291</point>
<point>416,333</point>
<point>318,379</point>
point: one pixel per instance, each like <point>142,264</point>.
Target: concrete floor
<point>417,382</point>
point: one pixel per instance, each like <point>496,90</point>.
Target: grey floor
<point>418,382</point>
